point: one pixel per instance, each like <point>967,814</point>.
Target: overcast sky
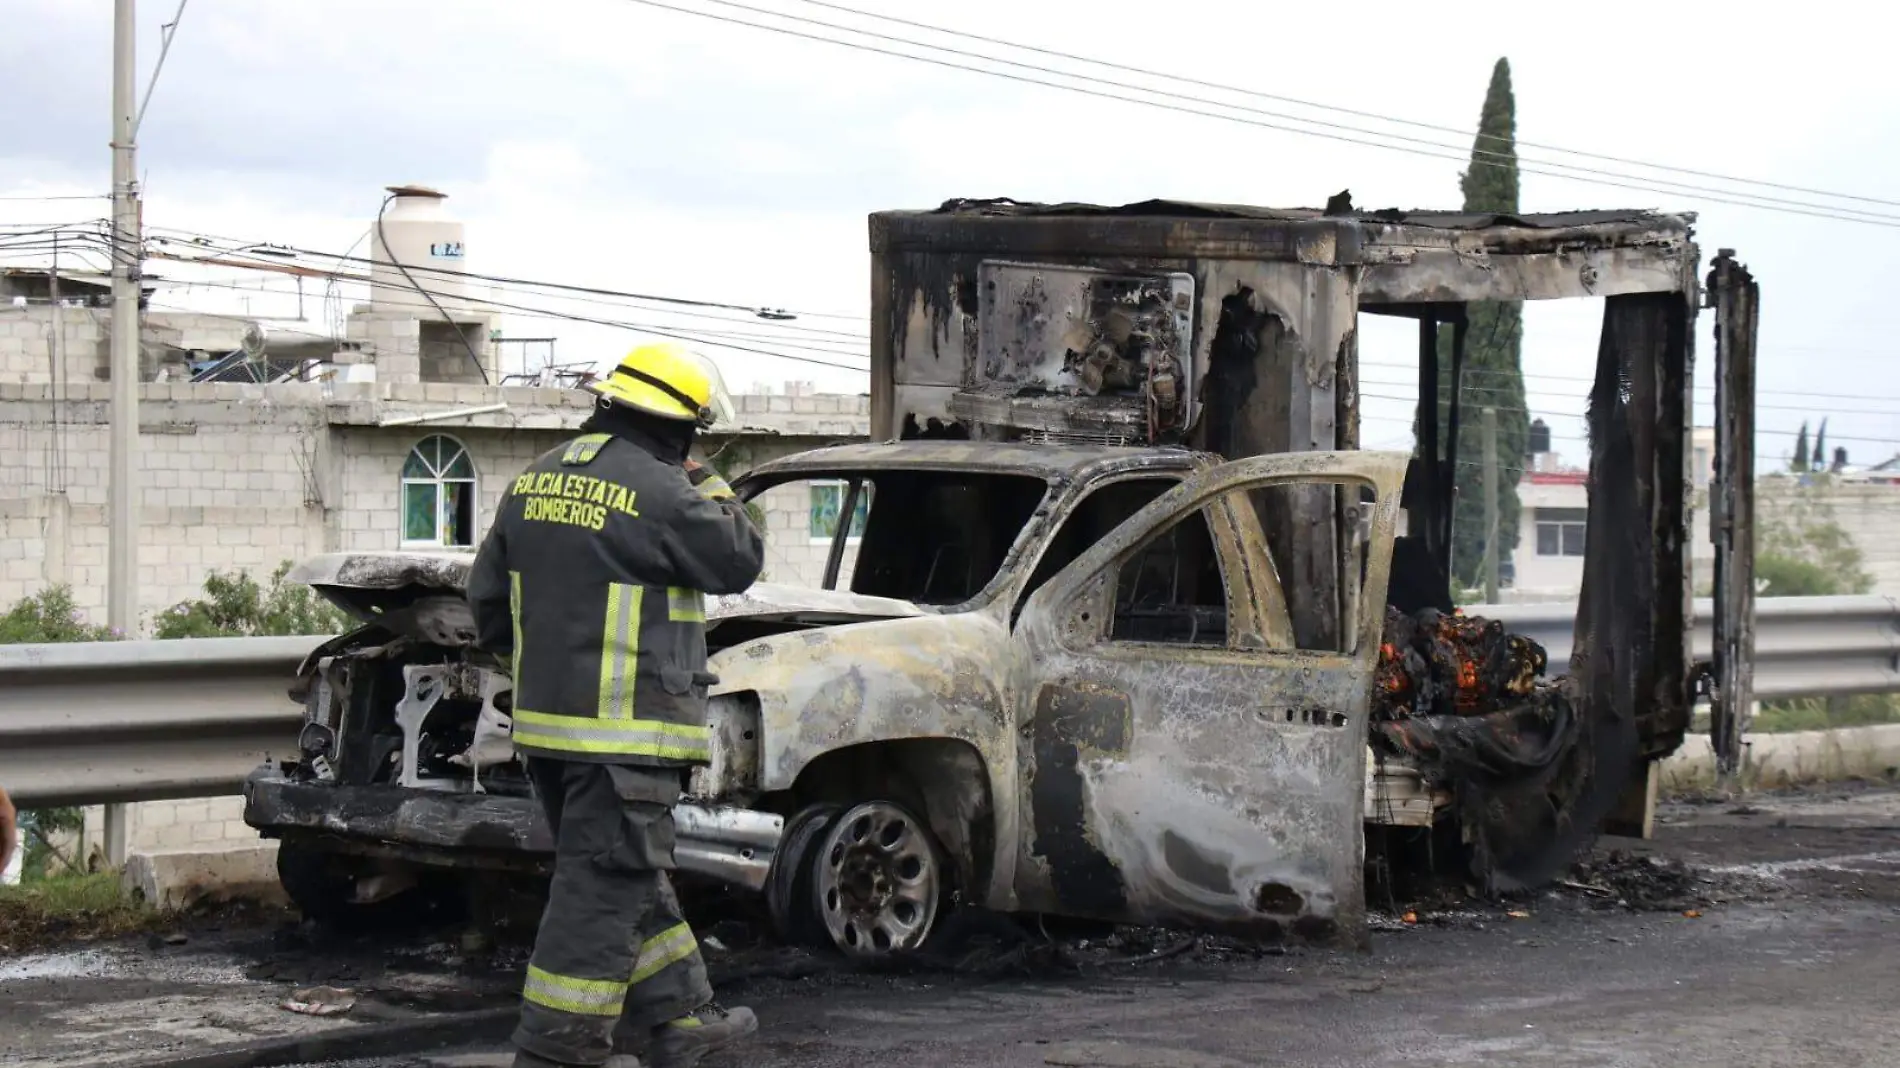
<point>607,143</point>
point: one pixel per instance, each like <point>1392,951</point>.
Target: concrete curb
<point>181,879</point>
<point>1798,758</point>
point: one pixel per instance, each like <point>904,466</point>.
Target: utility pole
<point>1490,506</point>
<point>122,562</point>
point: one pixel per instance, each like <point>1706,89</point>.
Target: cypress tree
<point>1493,369</point>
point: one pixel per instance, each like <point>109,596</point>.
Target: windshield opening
<point>930,537</point>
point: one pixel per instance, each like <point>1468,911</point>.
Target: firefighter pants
<point>613,958</point>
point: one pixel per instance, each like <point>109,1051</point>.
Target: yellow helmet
<point>668,380</point>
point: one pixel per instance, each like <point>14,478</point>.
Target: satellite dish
<point>255,340</point>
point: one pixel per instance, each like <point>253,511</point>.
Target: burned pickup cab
<point>1059,679</point>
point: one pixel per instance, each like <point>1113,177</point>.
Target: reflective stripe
<point>684,605</point>
<point>631,737</point>
<point>619,651</point>
<point>584,997</point>
<point>669,947</point>
<point>715,488</point>
<point>583,449</point>
<point>514,618</point>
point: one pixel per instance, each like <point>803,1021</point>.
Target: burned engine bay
<point>406,700</point>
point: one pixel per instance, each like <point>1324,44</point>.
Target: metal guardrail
<point>100,722</point>
<point>1804,646</point>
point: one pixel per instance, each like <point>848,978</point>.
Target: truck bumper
<point>731,845</point>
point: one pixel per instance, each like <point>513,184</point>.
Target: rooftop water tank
<point>416,231</point>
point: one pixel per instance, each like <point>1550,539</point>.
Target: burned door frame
<point>1735,297</point>
<point>1117,823</point>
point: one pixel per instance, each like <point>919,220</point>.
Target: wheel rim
<point>879,879</point>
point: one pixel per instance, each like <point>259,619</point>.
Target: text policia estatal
<point>577,500</point>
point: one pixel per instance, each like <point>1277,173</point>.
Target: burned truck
<point>1121,623</point>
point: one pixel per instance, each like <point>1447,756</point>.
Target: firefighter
<point>592,582</point>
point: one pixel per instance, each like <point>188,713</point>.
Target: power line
<point>1504,390</point>
<point>763,311</point>
<point>1758,430</point>
<point>1837,214</point>
<point>1501,159</point>
<point>1316,105</point>
<point>781,331</point>
<point>613,298</point>
<point>1701,389</point>
<point>667,331</point>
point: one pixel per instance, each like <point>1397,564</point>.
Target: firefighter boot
<point>683,1042</point>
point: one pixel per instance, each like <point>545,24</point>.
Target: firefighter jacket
<point>592,583</point>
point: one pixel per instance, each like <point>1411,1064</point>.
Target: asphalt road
<point>1791,959</point>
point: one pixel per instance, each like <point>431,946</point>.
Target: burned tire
<point>322,884</point>
<point>318,882</point>
<point>788,892</point>
<point>879,879</point>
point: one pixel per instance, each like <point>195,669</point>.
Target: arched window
<point>438,495</point>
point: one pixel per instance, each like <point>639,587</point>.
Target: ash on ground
<point>1620,879</point>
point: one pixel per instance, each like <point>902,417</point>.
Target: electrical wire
<point>589,294</point>
<point>715,339</point>
<point>1501,159</point>
<point>1838,214</point>
<point>764,311</point>
<point>1336,109</point>
<point>667,331</point>
<point>1758,430</point>
<point>1505,390</point>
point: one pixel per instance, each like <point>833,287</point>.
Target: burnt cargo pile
<point>1466,702</point>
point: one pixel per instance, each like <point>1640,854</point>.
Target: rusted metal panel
<point>1736,299</point>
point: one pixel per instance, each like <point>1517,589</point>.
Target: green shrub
<point>236,606</point>
<point>50,616</point>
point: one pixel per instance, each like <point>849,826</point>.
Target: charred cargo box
<point>1233,330</point>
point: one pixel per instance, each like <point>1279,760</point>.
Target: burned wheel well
<point>946,779</point>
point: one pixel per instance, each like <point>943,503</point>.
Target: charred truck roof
<point>1232,329</point>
